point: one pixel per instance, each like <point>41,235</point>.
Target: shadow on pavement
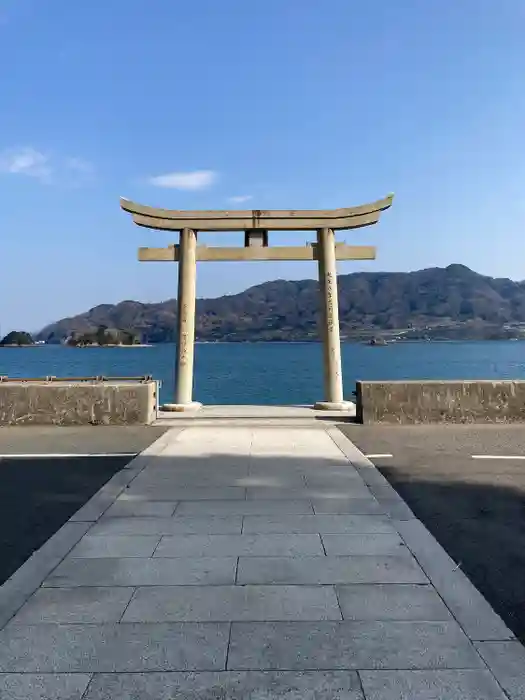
<point>482,527</point>
<point>39,495</point>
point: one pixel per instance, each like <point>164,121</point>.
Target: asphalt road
<point>83,439</point>
<point>474,507</point>
<point>39,494</point>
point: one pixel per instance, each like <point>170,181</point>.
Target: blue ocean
<point>272,373</point>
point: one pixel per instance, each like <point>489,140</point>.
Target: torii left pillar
<point>187,289</point>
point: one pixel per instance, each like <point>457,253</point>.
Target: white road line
<point>67,455</point>
<point>498,456</point>
<point>379,456</point>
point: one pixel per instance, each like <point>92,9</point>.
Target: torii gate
<point>256,224</point>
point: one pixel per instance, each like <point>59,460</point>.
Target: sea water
<point>272,373</point>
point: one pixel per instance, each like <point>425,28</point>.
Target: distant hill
<point>451,302</point>
<point>17,338</point>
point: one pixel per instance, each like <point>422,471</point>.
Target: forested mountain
<point>451,302</point>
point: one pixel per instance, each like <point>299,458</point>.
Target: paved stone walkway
<point>250,562</point>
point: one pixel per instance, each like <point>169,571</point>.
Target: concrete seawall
<point>405,402</point>
<point>78,403</point>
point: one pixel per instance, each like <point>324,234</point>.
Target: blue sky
<point>280,103</point>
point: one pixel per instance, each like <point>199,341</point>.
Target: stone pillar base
<point>334,406</point>
<point>181,407</point>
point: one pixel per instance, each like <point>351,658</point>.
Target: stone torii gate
<point>256,224</point>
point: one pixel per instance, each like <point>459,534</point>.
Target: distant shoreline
<point>99,347</point>
<point>344,341</point>
<point>78,347</point>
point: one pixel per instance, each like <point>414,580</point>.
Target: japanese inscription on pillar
<point>329,301</point>
<point>183,349</point>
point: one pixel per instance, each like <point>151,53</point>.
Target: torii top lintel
<point>269,220</point>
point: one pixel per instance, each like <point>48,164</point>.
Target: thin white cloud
<point>25,161</point>
<point>47,169</point>
<point>238,199</point>
<point>194,180</point>
<point>79,165</point>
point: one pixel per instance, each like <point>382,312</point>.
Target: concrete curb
<point>462,598</point>
<point>387,497</point>
<point>25,581</point>
<point>506,660</point>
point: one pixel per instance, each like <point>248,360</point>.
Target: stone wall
<point>441,402</point>
<point>77,403</point>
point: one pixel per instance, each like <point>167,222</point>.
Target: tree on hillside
<point>468,304</point>
<point>17,338</point>
<point>102,335</point>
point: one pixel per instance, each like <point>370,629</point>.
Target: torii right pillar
<point>332,371</point>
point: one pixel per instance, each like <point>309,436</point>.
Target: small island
<point>103,337</point>
<point>17,339</point>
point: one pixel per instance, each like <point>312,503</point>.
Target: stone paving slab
<point>323,524</point>
<point>63,686</point>
<point>329,570</point>
<point>191,525</point>
<point>391,602</point>
<point>134,508</point>
<point>302,468</point>
<point>71,605</point>
<point>168,492</point>
<point>336,493</point>
<point>259,507</point>
<point>332,477</point>
<point>113,648</point>
<point>233,603</point>
<point>199,465</point>
<point>350,645</point>
<point>143,572</point>
<point>95,547</point>
<point>228,685</point>
<point>272,480</point>
<point>228,452</point>
<point>373,544</point>
<point>284,545</point>
<point>336,467</point>
<point>430,685</point>
<point>347,506</point>
<point>159,478</point>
